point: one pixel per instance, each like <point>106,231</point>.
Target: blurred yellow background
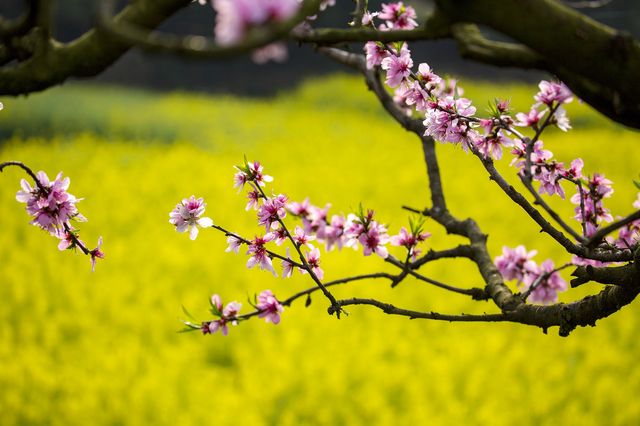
<point>80,348</point>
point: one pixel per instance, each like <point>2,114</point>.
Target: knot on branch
<point>567,325</point>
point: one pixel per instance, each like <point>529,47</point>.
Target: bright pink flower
<point>271,211</point>
<point>96,253</point>
<point>269,307</point>
<point>187,216</point>
<point>398,16</point>
<point>280,235</point>
<point>409,241</point>
<point>374,239</point>
<point>259,255</point>
<point>398,67</point>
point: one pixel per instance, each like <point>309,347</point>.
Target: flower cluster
<point>450,118</point>
<point>266,304</point>
<point>53,209</point>
<point>542,282</point>
<point>336,231</point>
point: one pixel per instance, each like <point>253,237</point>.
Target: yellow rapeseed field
<point>82,348</point>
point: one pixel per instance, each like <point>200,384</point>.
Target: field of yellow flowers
<point>80,348</point>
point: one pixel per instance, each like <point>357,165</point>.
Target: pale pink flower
<point>187,215</point>
<point>428,77</point>
<point>67,241</point>
<point>276,52</point>
<point>367,17</point>
<point>234,18</point>
<point>551,92</point>
<point>234,244</point>
<point>334,232</point>
<point>636,203</point>
<point>301,237</point>
<point>515,263</point>
<point>287,266</point>
<point>270,308</point>
<point>280,235</point>
<point>530,119</point>
<point>561,120</point>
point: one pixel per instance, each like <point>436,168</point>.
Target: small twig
<point>27,170</point>
<point>603,232</point>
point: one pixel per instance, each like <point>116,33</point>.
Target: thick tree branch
<point>86,56</point>
<point>198,46</point>
<point>604,74</point>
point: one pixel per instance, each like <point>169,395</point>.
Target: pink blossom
<point>234,244</point>
<point>96,253</point>
<point>374,53</point>
<point>49,203</point>
<point>187,216</point>
<point>491,145</point>
<point>276,52</point>
<point>515,263</point>
<point>546,290</point>
<point>280,235</point>
<point>374,239</point>
<point>271,211</point>
<point>234,18</point>
<point>575,171</point>
<point>398,67</point>
<point>259,255</point>
<point>67,241</point>
<point>416,95</point>
<point>251,172</point>
<point>227,315</point>
<point>636,203</point>
<point>287,266</point>
<point>254,198</point>
<point>313,260</point>
<point>270,308</point>
<point>409,240</point>
<point>428,77</point>
<point>334,232</point>
<point>299,209</point>
<point>530,119</point>
<point>367,17</point>
<point>301,238</point>
<point>398,16</point>
<point>561,120</point>
<point>553,92</point>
